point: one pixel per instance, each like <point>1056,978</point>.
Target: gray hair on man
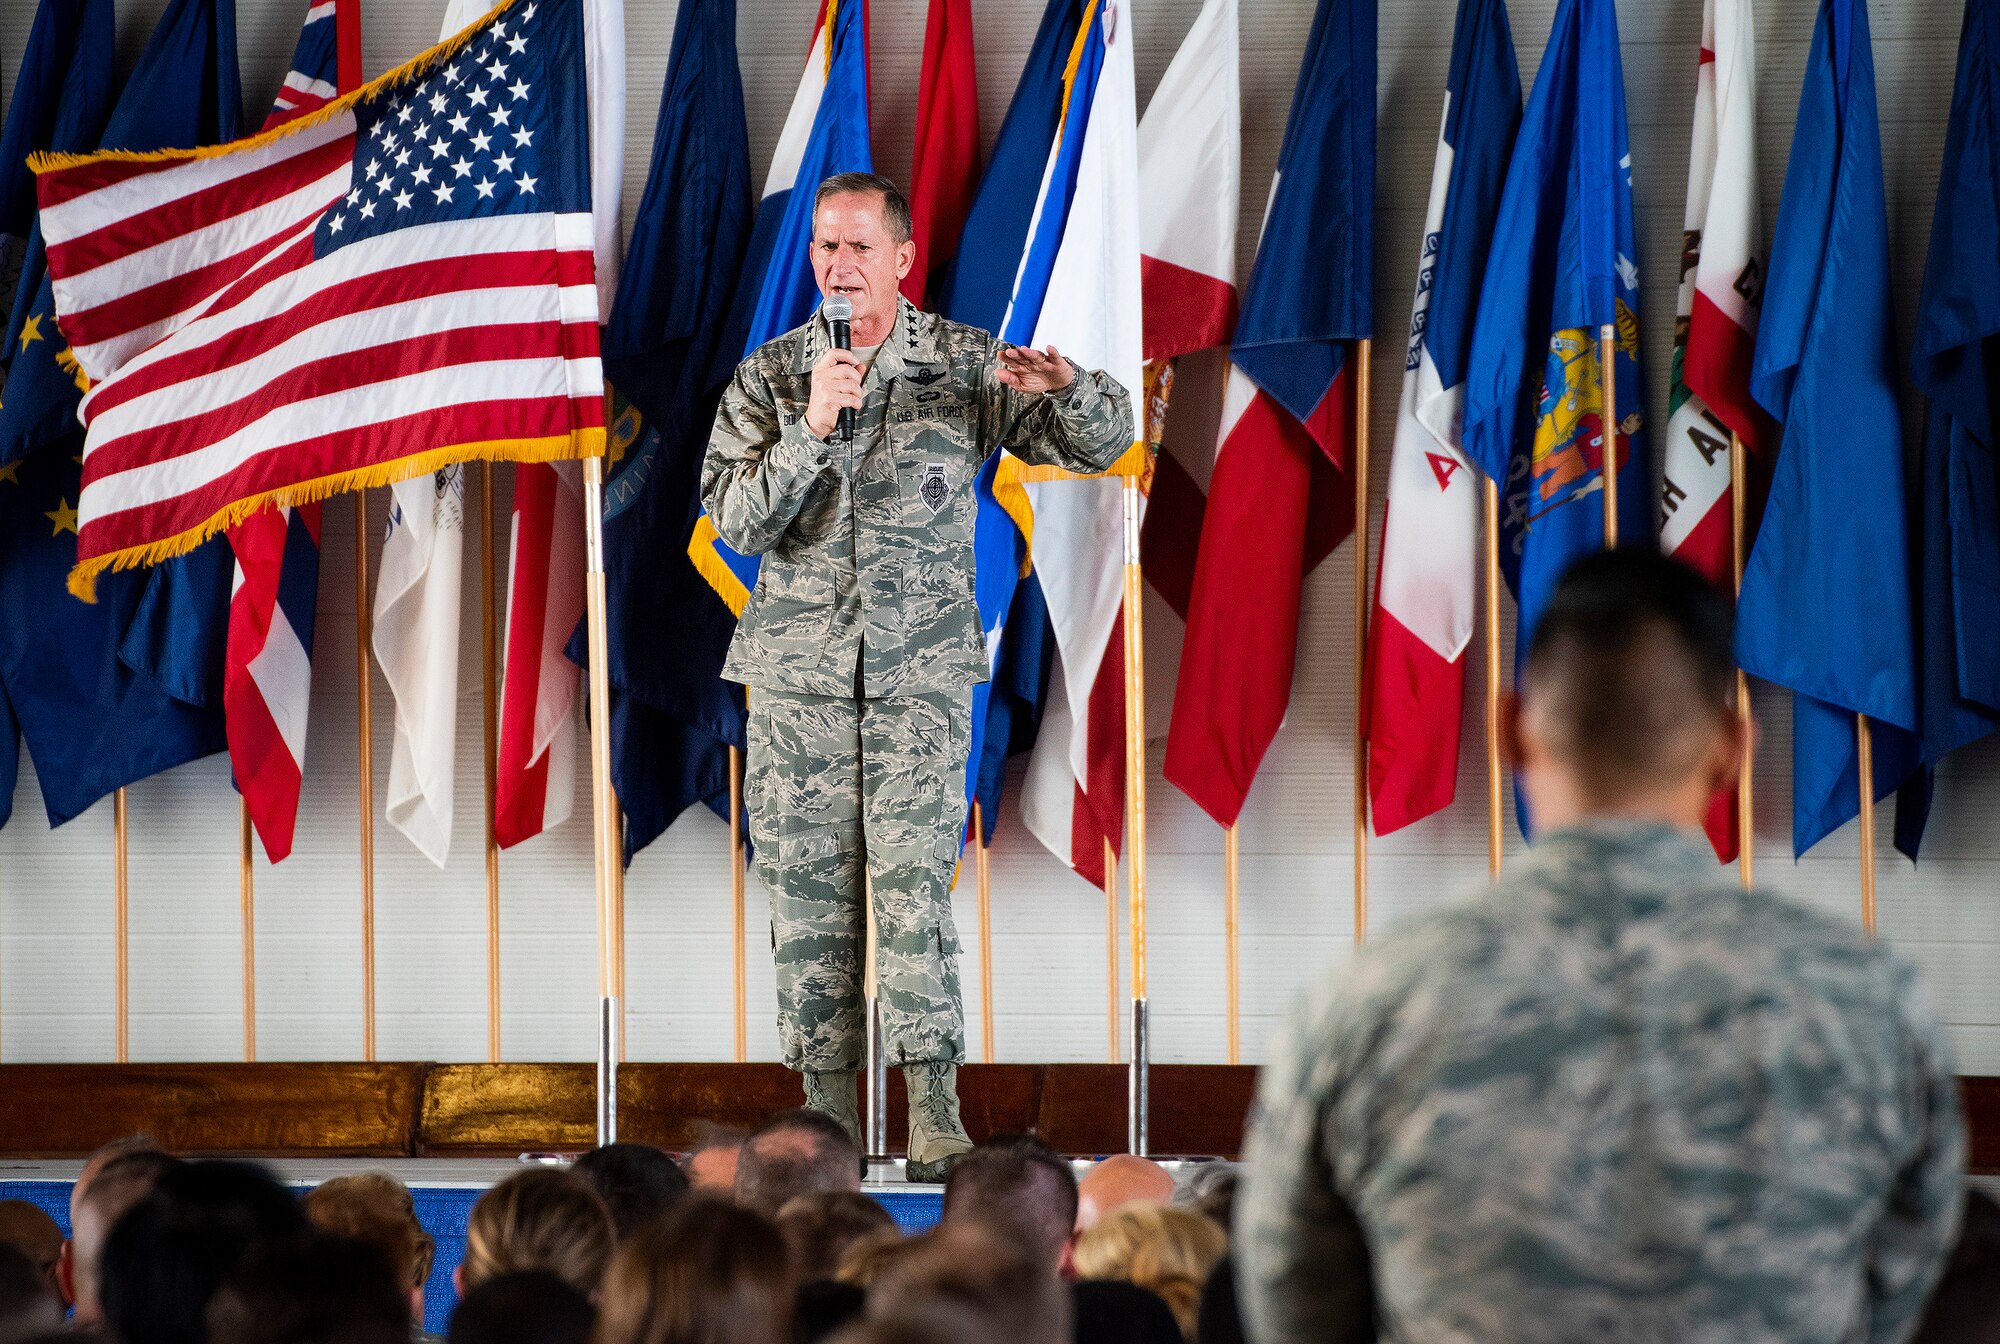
<point>895,207</point>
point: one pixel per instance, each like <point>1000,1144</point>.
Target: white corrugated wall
<point>1049,956</point>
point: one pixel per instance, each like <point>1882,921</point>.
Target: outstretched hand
<point>1026,369</point>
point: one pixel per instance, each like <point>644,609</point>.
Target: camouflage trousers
<point>845,794</point>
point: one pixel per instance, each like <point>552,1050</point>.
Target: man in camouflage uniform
<point>862,641</point>
<point>1615,1097</point>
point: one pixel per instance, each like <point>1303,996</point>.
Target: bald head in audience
<point>1117,1181</point>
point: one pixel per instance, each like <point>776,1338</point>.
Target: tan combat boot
<point>833,1093</point>
<point>937,1136</point>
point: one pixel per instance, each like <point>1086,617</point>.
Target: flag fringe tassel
<point>411,71</point>
<point>580,443</point>
<point>714,569</point>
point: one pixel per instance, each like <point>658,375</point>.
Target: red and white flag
<point>1722,281</point>
<point>267,668</point>
<point>944,174</point>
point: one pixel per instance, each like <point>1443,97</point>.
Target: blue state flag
<point>108,694</point>
<point>1957,321</point>
<point>826,133</point>
<point>62,95</point>
<point>1826,604</point>
<point>673,717</point>
<point>1563,264</point>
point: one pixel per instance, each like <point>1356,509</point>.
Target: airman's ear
<point>906,257</point>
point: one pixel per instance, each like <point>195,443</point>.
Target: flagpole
<point>1607,358</point>
<point>1746,802</point>
<point>489,664</point>
<point>1490,498</point>
<point>249,934</point>
<point>618,927</point>
<point>603,818</point>
<point>983,883</point>
<point>1364,350</point>
<point>1112,1053</point>
<point>736,896</point>
<point>1137,1090</point>
<point>1864,742</point>
<point>1232,1013</point>
<point>121,930</point>
<point>876,1059</point>
<point>364,620</point>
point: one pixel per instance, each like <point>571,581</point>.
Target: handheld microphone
<point>839,312</point>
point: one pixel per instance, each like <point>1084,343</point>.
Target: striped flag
<point>1424,598</point>
<point>1276,502</point>
<point>1715,328</point>
<point>230,305</point>
<point>825,133</point>
<point>267,664</point>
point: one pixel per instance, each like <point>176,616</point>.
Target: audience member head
<point>102,1158</point>
<point>711,1166</point>
<point>33,1233</point>
<point>710,1272</point>
<point>822,1306</point>
<point>1625,702</point>
<point>529,1306</point>
<point>1016,1182</point>
<point>1965,1306</point>
<point>1211,1190</point>
<point>115,1186</point>
<point>875,1255</point>
<point>1007,1287</point>
<point>29,1303</point>
<point>170,1252</point>
<point>821,1228</point>
<point>923,1321</point>
<point>1219,1321</point>
<point>376,1208</point>
<point>1109,1311</point>
<point>1164,1250</point>
<point>795,1153</point>
<point>1117,1181</point>
<point>313,1289</point>
<point>636,1181</point>
<point>541,1218</point>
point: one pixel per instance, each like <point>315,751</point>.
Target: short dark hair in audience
<point>710,1272</point>
<point>636,1181</point>
<point>529,1306</point>
<point>116,1185</point>
<point>1111,1311</point>
<point>795,1153</point>
<point>822,1227</point>
<point>315,1289</point>
<point>173,1249</point>
<point>987,1272</point>
<point>377,1208</point>
<point>1015,1181</point>
<point>29,1303</point>
<point>823,1306</point>
<point>29,1229</point>
<point>1629,662</point>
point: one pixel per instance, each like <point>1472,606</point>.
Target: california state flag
<point>1425,594</point>
<point>1722,282</point>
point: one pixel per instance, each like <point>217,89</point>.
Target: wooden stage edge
<point>465,1110</point>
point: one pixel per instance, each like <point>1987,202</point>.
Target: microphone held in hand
<point>839,312</point>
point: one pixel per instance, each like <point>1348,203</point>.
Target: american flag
<point>400,281</point>
<point>267,665</point>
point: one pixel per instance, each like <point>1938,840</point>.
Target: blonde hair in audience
<point>1166,1250</point>
<point>541,1218</point>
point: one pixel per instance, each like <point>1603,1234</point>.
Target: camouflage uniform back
<point>1615,1098</point>
<point>861,645</point>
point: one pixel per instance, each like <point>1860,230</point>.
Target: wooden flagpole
<point>121,930</point>
<point>1490,496</point>
<point>1232,1012</point>
<point>604,819</point>
<point>736,897</point>
<point>249,933</point>
<point>1135,813</point>
<point>983,883</point>
<point>1364,350</point>
<point>1864,742</point>
<point>489,695</point>
<point>1607,358</point>
<point>1112,1051</point>
<point>618,928</point>
<point>364,622</point>
<point>1746,802</point>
